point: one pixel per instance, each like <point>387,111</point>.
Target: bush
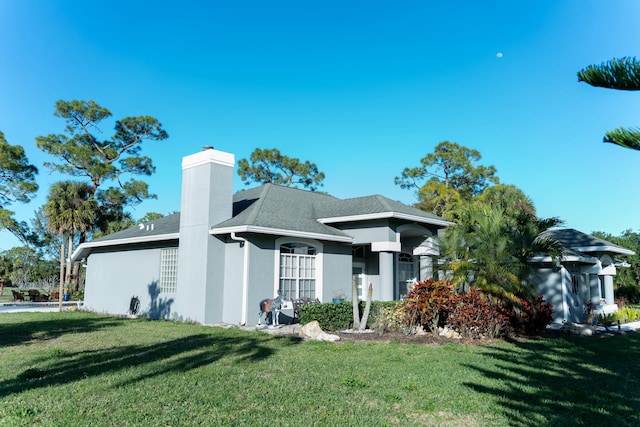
<point>337,317</point>
<point>428,303</point>
<point>475,316</point>
<point>531,318</point>
<point>625,315</point>
<point>389,316</point>
<point>631,293</point>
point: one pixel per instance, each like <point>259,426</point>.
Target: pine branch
<point>624,137</point>
<point>621,74</point>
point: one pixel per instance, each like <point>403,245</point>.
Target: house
<point>224,253</point>
<point>584,274</point>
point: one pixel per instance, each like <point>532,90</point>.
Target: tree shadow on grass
<point>147,361</point>
<point>565,380</point>
<point>47,326</point>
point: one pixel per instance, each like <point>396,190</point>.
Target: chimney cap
<point>207,147</point>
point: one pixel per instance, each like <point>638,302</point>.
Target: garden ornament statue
<point>273,306</point>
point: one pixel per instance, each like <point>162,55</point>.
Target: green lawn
<point>77,368</point>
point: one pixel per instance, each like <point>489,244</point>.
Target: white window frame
<point>168,270</point>
<point>403,286</point>
<point>318,265</point>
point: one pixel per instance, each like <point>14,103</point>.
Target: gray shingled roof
<point>281,208</point>
<point>278,209</point>
<point>581,242</point>
<point>369,205</point>
<point>163,226</point>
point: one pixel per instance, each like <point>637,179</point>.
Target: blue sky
<point>362,89</point>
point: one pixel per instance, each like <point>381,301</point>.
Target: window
<point>168,270</point>
<point>406,275</point>
<point>297,270</point>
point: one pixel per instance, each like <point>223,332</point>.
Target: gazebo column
<point>608,289</point>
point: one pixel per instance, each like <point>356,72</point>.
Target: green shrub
<point>625,315</point>
<point>606,319</point>
<point>337,317</point>
<point>331,317</point>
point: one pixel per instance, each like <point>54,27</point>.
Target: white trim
<point>614,249</point>
<point>568,258</point>
<point>386,247</point>
<point>319,263</point>
<point>208,156</point>
<point>129,240</point>
<point>279,232</point>
<point>383,215</point>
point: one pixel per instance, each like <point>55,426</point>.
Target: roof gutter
<point>279,232</point>
<point>86,248</point>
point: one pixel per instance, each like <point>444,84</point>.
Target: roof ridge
<point>254,209</point>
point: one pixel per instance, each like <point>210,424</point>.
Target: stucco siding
<point>113,278</point>
<point>336,274</point>
<point>262,274</point>
<point>374,231</point>
<point>233,281</point>
<point>547,283</point>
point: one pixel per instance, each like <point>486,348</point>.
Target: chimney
<point>207,188</point>
<point>207,199</point>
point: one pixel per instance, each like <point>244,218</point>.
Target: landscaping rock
<point>419,330</point>
<point>577,329</point>
<point>312,331</point>
<point>450,333</point>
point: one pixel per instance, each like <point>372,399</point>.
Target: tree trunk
<point>69,249</point>
<point>60,289</point>
<point>367,307</point>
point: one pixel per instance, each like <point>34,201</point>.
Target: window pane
<point>298,270</point>
<point>168,270</point>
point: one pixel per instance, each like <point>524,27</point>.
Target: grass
<point>81,369</point>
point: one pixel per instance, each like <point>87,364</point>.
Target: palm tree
<point>490,248</point>
<point>70,209</point>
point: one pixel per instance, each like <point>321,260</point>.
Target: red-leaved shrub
<point>434,304</point>
<point>428,303</point>
<point>531,319</point>
<point>475,316</point>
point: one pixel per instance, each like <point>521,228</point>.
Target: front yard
<point>83,369</point>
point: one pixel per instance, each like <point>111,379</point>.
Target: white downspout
<point>245,276</point>
<point>565,315</point>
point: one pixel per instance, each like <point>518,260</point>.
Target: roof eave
<point>605,248</point>
<point>279,232</point>
<point>85,249</point>
<point>385,215</point>
<point>546,259</point>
